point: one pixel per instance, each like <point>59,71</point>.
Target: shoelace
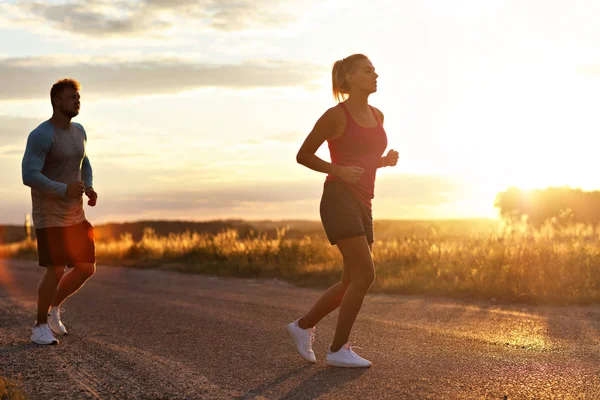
<point>59,311</point>
<point>311,337</point>
<point>350,348</point>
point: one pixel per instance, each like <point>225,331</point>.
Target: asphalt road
<point>149,334</point>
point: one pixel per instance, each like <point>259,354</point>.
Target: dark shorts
<point>66,245</point>
<point>343,214</point>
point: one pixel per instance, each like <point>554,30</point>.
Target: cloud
<point>287,137</point>
<point>405,191</point>
<point>15,129</point>
<point>229,197</point>
<point>104,18</point>
<point>27,78</point>
<point>589,70</point>
<point>11,151</point>
<point>397,196</point>
<point>13,137</point>
<point>282,139</point>
<point>420,190</point>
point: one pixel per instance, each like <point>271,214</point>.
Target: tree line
<point>556,204</point>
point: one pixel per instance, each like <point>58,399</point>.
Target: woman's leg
<point>329,301</point>
<point>358,261</point>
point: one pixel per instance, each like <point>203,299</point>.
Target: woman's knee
<point>365,279</point>
<point>345,282</point>
<point>358,261</point>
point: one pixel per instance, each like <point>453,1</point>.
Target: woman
<point>356,138</point>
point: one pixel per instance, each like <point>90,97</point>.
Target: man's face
<point>68,102</point>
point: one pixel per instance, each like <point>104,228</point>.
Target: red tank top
<point>359,147</point>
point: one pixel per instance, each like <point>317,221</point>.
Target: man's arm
<point>86,173</point>
<point>86,168</point>
<point>38,145</point>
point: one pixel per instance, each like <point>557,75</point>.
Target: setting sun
<point>299,199</point>
<point>477,98</point>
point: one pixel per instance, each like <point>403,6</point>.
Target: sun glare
<point>7,282</point>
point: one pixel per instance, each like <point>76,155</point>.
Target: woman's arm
<point>331,125</point>
<point>326,127</point>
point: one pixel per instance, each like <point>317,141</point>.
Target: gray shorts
<point>343,214</point>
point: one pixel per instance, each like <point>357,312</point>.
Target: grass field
<point>478,259</point>
<point>9,390</point>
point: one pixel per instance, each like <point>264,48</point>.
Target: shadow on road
<point>323,381</point>
<point>267,386</point>
<point>19,348</point>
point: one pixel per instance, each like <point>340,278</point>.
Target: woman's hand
<point>348,173</point>
<point>391,159</point>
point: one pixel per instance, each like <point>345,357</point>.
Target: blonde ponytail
<point>338,75</point>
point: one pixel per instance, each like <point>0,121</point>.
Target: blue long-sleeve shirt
<point>53,159</point>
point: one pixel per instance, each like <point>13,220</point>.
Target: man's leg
<point>72,282</point>
<point>47,291</point>
<point>81,247</point>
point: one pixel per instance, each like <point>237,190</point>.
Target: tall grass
<point>10,390</point>
<point>513,263</point>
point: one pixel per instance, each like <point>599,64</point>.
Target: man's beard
<point>70,114</point>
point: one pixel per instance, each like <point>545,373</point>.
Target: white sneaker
<point>42,334</point>
<point>54,321</point>
<point>345,357</point>
<point>303,338</point>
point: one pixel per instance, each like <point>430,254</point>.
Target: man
<point>58,171</point>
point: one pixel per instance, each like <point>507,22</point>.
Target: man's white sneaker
<point>345,357</point>
<point>42,334</point>
<point>303,338</point>
<point>54,321</point>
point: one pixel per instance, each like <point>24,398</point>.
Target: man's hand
<point>75,189</point>
<point>92,195</point>
<point>391,159</point>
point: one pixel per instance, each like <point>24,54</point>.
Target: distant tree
<point>27,226</point>
<point>561,205</point>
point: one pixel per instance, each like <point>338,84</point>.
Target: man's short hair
<point>61,85</point>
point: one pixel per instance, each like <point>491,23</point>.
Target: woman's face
<point>364,77</point>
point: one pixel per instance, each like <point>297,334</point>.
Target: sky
<point>195,110</point>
